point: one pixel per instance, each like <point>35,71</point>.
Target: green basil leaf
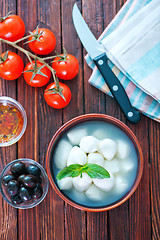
<point>72,170</point>
<point>96,171</point>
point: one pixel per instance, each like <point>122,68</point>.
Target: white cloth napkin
<point>132,43</point>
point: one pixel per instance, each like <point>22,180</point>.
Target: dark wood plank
<point>139,203</point>
<point>119,4</point>
<point>138,218</point>
<point>75,223</point>
<point>154,150</point>
<point>119,223</point>
<point>49,120</point>
<point>93,14</point>
<point>44,221</point>
<point>8,215</point>
<point>119,216</point>
<point>28,220</point>
<point>72,44</point>
<point>75,220</point>
<point>97,226</point>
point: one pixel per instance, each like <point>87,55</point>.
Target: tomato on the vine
<point>55,99</point>
<point>37,76</point>
<point>12,28</point>
<point>42,42</point>
<point>66,66</point>
<point>11,65</point>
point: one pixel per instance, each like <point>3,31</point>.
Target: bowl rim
<point>125,129</point>
<point>43,195</point>
<point>24,116</point>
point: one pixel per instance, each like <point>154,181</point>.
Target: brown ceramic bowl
<point>93,117</point>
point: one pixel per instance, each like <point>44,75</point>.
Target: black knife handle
<point>117,89</point>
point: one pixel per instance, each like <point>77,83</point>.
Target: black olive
<point>30,181</point>
<point>38,191</point>
<point>30,190</point>
<point>33,169</point>
<point>16,199</point>
<point>12,187</point>
<point>17,168</point>
<point>7,178</point>
<point>24,194</point>
<point>39,179</point>
<point>21,178</point>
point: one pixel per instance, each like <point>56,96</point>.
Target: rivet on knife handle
<point>117,89</point>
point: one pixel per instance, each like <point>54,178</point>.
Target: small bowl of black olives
<point>24,183</point>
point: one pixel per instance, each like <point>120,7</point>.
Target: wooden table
<point>53,219</point>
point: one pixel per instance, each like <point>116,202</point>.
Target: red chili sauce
<point>11,122</point>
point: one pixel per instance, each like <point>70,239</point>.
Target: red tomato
<point>68,69</point>
<point>38,80</point>
<point>12,28</point>
<point>47,42</point>
<point>12,68</point>
<point>55,100</point>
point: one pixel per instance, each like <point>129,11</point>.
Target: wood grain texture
<point>49,120</point>
<point>154,147</point>
<point>118,221</point>
<point>92,13</point>
<point>29,221</point>
<point>139,203</point>
<point>136,219</point>
<point>97,226</point>
<point>8,215</point>
<point>75,220</point>
<point>42,123</point>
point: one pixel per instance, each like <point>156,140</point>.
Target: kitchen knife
<point>98,54</point>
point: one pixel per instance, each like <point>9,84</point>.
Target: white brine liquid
<point>100,143</point>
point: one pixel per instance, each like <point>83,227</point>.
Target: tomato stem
<point>4,18</point>
<point>21,39</point>
<point>31,55</point>
<point>51,57</point>
<point>30,59</point>
<point>4,58</point>
<point>61,56</point>
<point>35,36</point>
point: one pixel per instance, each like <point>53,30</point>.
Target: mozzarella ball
<point>89,144</point>
<point>94,193</point>
<point>96,158</point>
<point>105,184</point>
<point>65,183</point>
<point>81,184</point>
<point>112,166</point>
<point>121,185</point>
<point>107,148</point>
<point>76,155</point>
<point>61,154</point>
<point>123,149</point>
<point>127,165</point>
<point>75,135</point>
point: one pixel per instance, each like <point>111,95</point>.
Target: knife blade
<point>98,54</point>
